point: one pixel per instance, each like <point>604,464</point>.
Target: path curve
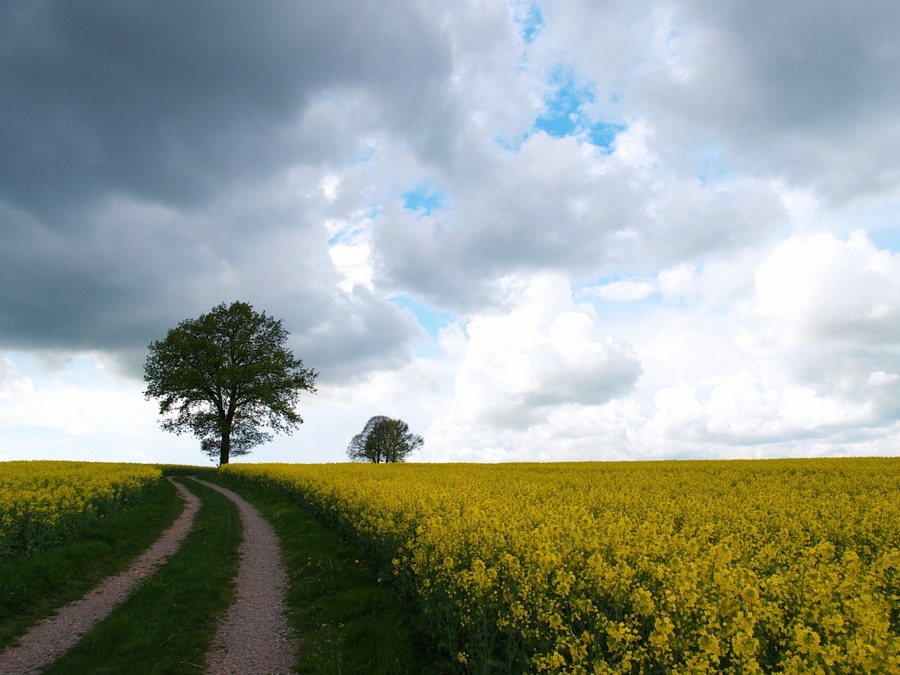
<point>255,636</point>
<point>46,641</point>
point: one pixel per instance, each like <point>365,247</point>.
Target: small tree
<point>383,440</point>
<point>225,377</point>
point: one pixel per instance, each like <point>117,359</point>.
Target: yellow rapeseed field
<point>733,566</point>
<point>42,501</point>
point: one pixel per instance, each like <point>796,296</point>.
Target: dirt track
<point>254,637</point>
<point>51,638</point>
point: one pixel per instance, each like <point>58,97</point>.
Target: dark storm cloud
<point>136,142</point>
<point>94,283</point>
<point>174,102</point>
<point>135,271</point>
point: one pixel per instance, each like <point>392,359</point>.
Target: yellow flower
<point>749,566</point>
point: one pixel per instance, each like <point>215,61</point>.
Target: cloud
<point>678,282</point>
<point>833,289</point>
<point>96,103</point>
<point>162,162</point>
<point>835,304</point>
<point>352,261</point>
<point>812,105</point>
<point>742,410</point>
<point>137,269</point>
<point>825,68</point>
<point>812,357</point>
<point>357,334</point>
<point>520,369</point>
<point>586,230</point>
<point>559,205</point>
<point>56,400</point>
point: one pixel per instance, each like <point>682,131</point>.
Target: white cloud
<point>521,368</point>
<point>879,378</point>
<point>81,409</point>
<point>809,357</point>
<point>678,281</point>
<point>743,410</point>
<point>329,185</point>
<point>352,262</point>
<point>546,352</point>
<point>828,288</point>
<point>7,371</point>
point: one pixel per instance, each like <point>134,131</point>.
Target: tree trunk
<point>225,447</point>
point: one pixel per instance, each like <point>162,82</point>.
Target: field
<point>785,565</point>
<point>43,503</point>
<point>69,525</point>
<point>771,566</point>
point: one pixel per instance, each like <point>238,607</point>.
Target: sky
<point>535,231</point>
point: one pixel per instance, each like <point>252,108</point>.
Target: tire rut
<point>255,636</point>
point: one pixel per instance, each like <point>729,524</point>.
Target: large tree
<point>227,378</point>
<point>383,440</point>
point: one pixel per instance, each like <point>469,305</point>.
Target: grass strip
<point>168,624</point>
<point>33,587</point>
<point>348,622</point>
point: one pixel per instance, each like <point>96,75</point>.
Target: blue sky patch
<point>530,21</point>
<point>424,198</point>
<point>565,115</point>
<point>603,134</point>
<point>886,238</point>
<point>510,145</point>
<point>348,236</point>
<point>364,154</point>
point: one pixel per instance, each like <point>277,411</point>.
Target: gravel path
<point>255,636</point>
<point>51,638</point>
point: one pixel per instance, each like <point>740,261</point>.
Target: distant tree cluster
<point>383,440</point>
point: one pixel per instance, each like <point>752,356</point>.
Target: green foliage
<point>226,377</point>
<point>384,440</point>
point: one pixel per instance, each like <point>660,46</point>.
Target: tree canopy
<point>228,378</point>
<point>383,440</point>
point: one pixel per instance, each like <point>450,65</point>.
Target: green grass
<point>32,587</point>
<point>169,623</point>
<point>348,622</point>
